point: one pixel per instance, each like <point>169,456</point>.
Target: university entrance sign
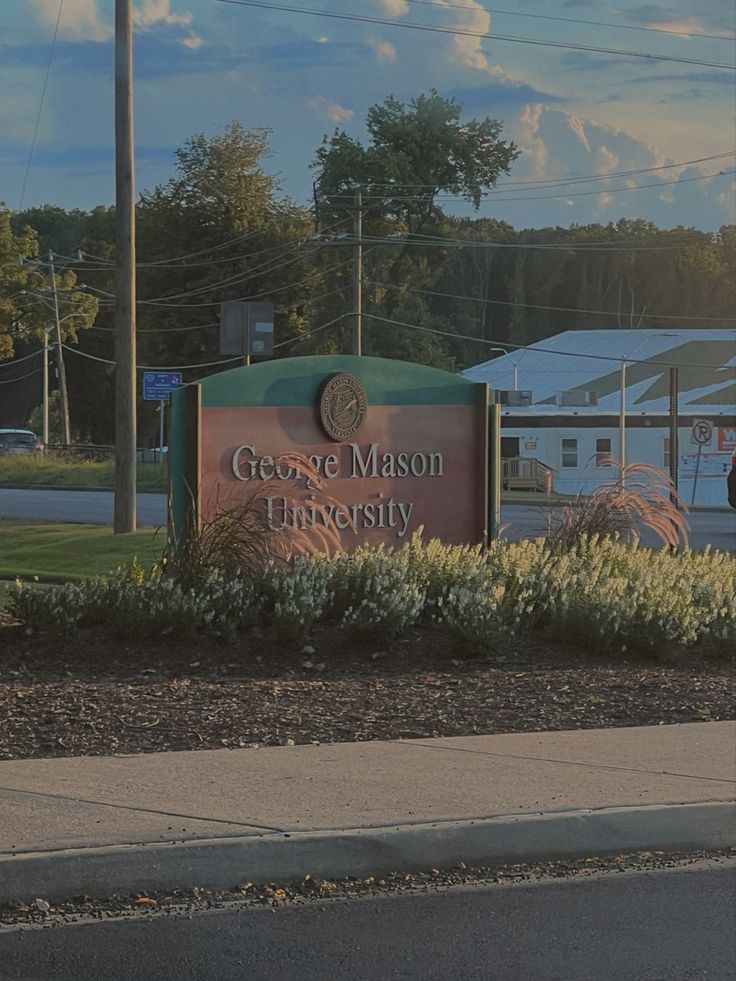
<point>396,445</point>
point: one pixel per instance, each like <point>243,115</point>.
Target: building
<point>572,417</point>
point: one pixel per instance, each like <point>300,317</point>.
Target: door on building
<point>509,447</point>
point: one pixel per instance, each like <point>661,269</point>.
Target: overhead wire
<point>542,350</point>
<point>576,20</point>
<point>40,106</point>
<point>539,306</point>
<point>436,29</point>
<point>10,381</point>
<point>543,183</point>
<point>485,195</point>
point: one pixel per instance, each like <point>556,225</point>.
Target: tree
<point>415,152</point>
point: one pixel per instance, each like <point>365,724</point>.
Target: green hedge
<point>601,595</point>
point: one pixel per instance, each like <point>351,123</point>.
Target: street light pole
<point>622,425</point>
<point>45,409</point>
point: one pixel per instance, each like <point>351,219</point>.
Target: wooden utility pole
<point>125,297</point>
<point>358,274</point>
<point>63,394</point>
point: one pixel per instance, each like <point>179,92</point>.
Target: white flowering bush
<point>377,592</point>
<point>599,595</point>
<point>132,603</point>
<point>299,594</point>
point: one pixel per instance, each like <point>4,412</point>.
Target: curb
<point>223,863</point>
<point>72,487</point>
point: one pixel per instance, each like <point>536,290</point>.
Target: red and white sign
<point>726,439</point>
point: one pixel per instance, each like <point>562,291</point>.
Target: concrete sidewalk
<point>99,825</point>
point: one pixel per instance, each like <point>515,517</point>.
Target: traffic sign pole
<point>162,406</point>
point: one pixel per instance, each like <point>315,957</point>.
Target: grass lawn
<point>60,552</point>
<point>55,472</point>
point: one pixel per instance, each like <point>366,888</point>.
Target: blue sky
<point>574,113</point>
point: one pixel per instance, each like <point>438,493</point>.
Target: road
<point>715,528</point>
<point>671,924</point>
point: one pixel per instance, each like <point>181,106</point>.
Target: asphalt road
<point>715,528</point>
<point>668,925</point>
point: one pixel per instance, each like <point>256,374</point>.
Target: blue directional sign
<point>157,385</point>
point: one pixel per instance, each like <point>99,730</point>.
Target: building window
<point>603,452</point>
<point>666,453</point>
<point>569,453</point>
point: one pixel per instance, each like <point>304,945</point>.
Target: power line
<point>567,45</point>
<point>148,367</point>
<point>30,374</point>
<point>559,181</point>
<point>539,306</point>
<point>575,20</point>
<point>542,350</point>
<point>547,197</point>
<point>171,330</point>
<point>40,106</point>
<point>26,357</point>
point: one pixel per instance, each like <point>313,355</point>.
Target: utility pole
<point>45,409</point>
<point>63,396</point>
<point>125,302</point>
<point>358,274</point>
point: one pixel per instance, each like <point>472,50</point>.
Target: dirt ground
<point>88,695</point>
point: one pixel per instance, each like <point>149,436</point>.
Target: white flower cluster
<point>602,594</point>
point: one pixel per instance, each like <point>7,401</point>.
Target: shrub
<point>641,496</point>
<point>599,593</point>
<point>378,594</point>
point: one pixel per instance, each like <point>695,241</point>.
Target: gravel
<point>35,912</point>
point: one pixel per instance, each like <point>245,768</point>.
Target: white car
<point>19,441</point>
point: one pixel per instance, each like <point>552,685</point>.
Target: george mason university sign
<point>396,446</point>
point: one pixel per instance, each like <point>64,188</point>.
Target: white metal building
<point>573,439</point>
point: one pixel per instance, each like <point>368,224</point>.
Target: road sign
<point>158,384</point>
<point>246,328</point>
<point>702,432</point>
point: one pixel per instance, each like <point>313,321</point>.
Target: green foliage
<point>377,593</point>
<point>600,596</point>
<point>133,604</point>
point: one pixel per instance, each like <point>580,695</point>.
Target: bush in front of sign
<point>641,496</point>
<point>298,595</point>
<point>378,596</point>
<point>238,536</point>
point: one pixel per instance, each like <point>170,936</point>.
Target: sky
<point>573,112</point>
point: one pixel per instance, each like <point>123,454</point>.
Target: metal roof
<point>591,359</point>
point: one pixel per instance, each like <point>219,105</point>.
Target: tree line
<point>438,289</point>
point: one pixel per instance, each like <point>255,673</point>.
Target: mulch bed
<point>90,695</point>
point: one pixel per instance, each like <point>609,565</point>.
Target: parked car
<point>19,441</point>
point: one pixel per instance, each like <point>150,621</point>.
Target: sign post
<point>157,386</point>
<point>701,434</point>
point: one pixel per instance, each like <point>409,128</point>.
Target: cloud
<point>83,20</point>
<point>80,19</point>
<point>384,50</point>
<point>192,41</point>
<point>149,13</point>
<point>605,160</point>
<point>665,19</point>
<point>393,8</point>
<point>525,133</point>
<point>491,97</point>
<point>330,110</point>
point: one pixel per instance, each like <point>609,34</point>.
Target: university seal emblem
<point>342,405</point>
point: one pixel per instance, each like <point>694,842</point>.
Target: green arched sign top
<point>295,381</point>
